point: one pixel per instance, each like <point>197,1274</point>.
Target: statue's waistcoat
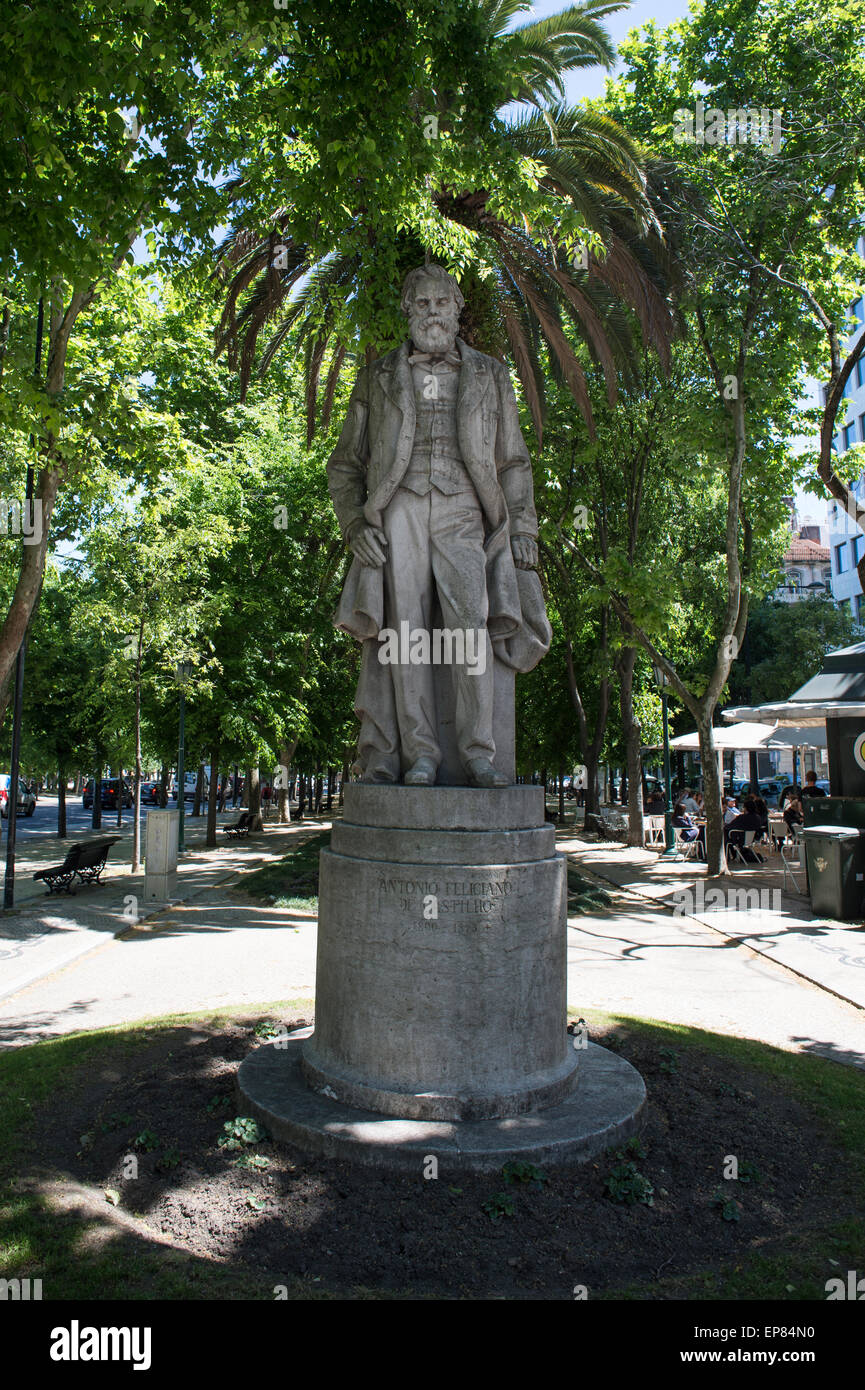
<point>436,458</point>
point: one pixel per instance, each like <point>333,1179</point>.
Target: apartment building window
<point>862,428</point>
<point>860,377</point>
<point>857,309</point>
<point>857,544</point>
<point>849,434</point>
<point>840,557</point>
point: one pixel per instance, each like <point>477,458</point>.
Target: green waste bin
<point>836,870</point>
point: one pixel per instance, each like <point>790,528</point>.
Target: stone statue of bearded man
<point>432,486</point>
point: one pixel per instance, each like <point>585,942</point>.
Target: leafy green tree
<point>545,216</point>
<point>785,646</point>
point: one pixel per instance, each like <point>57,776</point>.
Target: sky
<point>591,82</point>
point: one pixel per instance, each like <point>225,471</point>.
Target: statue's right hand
<point>369,544</point>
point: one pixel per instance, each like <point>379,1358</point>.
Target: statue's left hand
<point>525,552</point>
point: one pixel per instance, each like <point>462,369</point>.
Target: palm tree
<point>538,299</point>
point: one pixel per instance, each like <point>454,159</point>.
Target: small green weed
<point>518,1172</point>
<point>499,1205</point>
<point>241,1131</point>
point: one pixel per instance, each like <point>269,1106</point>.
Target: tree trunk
<point>717,861</point>
<point>561,794</point>
<point>199,790</point>
<point>286,753</point>
<point>163,786</point>
<point>593,800</point>
<point>329,802</point>
<point>632,732</point>
<point>136,791</point>
<point>301,796</point>
<point>61,803</point>
<point>254,788</point>
<point>343,780</point>
<point>96,818</point>
<point>213,795</point>
<point>29,583</point>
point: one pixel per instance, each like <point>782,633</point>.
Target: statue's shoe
<point>378,779</point>
<point>481,773</point>
<point>422,773</point>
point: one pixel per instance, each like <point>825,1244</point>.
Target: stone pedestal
<point>160,856</point>
<point>440,988</point>
<point>441,994</point>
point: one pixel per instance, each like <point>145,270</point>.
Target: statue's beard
<point>433,332</point>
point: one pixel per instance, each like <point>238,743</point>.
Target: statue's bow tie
<point>452,358</point>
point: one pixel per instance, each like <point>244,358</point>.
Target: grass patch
<point>293,880</point>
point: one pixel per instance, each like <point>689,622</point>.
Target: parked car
<point>110,794</point>
<point>26,803</point>
<point>150,793</point>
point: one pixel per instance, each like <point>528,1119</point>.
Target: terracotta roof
<point>806,551</point>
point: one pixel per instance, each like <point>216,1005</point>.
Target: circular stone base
<point>605,1109</point>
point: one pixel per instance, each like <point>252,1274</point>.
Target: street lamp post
<point>182,674</point>
<point>669,837</point>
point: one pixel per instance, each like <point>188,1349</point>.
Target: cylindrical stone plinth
<point>441,974</point>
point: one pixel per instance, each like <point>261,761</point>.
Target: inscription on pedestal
<point>448,901</point>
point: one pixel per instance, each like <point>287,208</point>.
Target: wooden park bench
<point>85,861</point>
<point>240,827</point>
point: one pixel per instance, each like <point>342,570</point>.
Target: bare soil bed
<point>329,1227</point>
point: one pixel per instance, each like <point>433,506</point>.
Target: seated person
<point>689,803</point>
<point>689,831</point>
<point>793,813</point>
<point>748,819</point>
<point>763,813</point>
<point>810,788</point>
<point>790,793</point>
<point>655,804</point>
<point>731,810</point>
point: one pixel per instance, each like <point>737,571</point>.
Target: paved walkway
<point>218,948</point>
<point>46,934</point>
<point>747,905</point>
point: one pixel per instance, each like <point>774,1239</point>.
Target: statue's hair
<point>432,272</point>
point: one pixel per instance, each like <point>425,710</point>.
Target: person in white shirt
<point>730,809</point>
<point>690,805</point>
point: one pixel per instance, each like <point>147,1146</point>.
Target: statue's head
<point>431,301</point>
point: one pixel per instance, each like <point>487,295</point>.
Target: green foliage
<point>785,646</point>
<point>146,1141</point>
<point>728,1207</point>
<point>254,1162</point>
<point>518,1172</point>
<point>240,1132</point>
<point>749,1172</point>
<point>217,1103</point>
<point>499,1205</point>
<point>627,1186</point>
<point>670,1061</point>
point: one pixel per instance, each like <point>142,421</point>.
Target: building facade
<point>846,541</point>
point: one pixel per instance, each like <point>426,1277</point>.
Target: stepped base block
<point>605,1110</point>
